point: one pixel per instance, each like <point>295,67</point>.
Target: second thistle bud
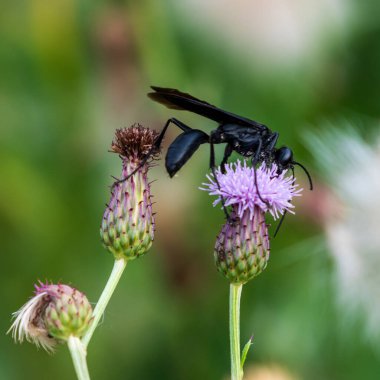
<point>127,229</point>
<point>242,247</point>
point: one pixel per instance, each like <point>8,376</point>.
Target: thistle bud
<point>54,314</point>
<point>127,229</point>
<point>242,247</point>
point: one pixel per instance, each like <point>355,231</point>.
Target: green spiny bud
<point>54,314</point>
<point>242,247</point>
<point>127,229</point>
<point>68,314</point>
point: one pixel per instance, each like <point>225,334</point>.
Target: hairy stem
<point>235,294</point>
<point>112,282</point>
<point>78,354</point>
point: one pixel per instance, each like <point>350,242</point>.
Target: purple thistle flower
<point>238,189</point>
<point>242,246</point>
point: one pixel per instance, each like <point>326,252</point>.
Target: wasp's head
<point>283,158</point>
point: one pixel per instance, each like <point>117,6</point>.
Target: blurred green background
<point>71,73</point>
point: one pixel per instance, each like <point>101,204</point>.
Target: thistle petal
<point>237,187</point>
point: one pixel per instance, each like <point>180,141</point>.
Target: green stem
<point>78,354</point>
<point>235,294</point>
<point>116,273</point>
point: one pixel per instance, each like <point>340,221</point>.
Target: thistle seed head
<point>55,313</point>
<point>134,143</point>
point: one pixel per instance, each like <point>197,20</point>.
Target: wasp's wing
<point>178,100</point>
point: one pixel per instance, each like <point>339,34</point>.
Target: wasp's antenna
<point>307,173</point>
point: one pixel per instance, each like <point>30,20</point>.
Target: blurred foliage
<point>70,74</point>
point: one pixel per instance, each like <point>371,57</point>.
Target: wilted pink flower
<point>55,313</point>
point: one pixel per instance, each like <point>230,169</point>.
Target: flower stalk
<point>61,314</point>
<point>78,354</point>
<point>234,319</point>
<point>106,295</point>
<point>242,246</point>
<point>127,228</point>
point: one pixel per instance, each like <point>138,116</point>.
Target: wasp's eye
<point>284,156</point>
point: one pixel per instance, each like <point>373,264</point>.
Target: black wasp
<point>244,136</point>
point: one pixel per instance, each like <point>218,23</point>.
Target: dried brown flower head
<point>135,142</point>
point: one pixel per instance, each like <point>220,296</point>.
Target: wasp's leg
<point>255,159</point>
<point>285,212</point>
<point>272,141</point>
<point>179,124</point>
<point>212,167</point>
<point>280,223</point>
<point>156,146</point>
<point>227,153</point>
